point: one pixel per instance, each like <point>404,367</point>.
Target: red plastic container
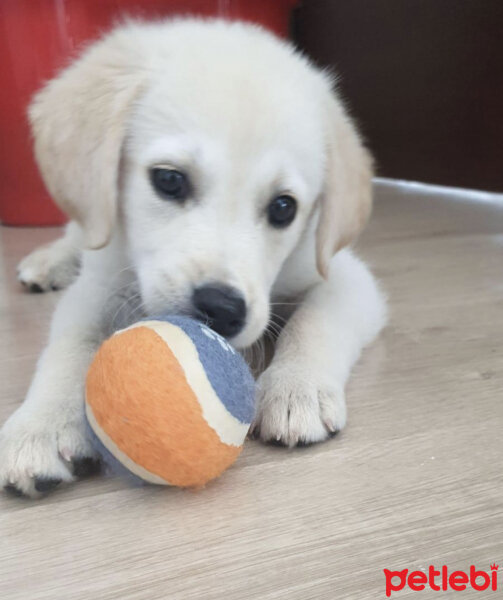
<point>39,36</point>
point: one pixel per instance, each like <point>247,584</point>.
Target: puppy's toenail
<point>86,466</point>
<point>46,484</point>
<point>66,454</point>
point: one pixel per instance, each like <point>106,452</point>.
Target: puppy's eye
<point>170,183</point>
<point>281,211</point>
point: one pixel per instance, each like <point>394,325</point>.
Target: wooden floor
<point>415,479</point>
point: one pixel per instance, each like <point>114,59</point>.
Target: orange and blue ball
<point>169,401</point>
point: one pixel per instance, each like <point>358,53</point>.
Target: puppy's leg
<point>45,442</point>
<point>55,265</point>
<point>301,394</point>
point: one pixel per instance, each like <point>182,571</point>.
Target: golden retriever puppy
<point>209,169</point>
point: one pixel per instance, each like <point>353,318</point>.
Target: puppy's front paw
<point>50,267</point>
<point>293,408</point>
<point>35,457</point>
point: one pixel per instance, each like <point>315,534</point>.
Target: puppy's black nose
<point>221,307</point>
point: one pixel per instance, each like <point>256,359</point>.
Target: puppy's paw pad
<point>296,411</point>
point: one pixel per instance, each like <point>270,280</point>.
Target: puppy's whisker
<point>272,334</point>
<point>284,303</point>
<point>255,356</point>
<point>275,315</point>
<point>125,288</point>
<point>133,307</point>
<point>277,320</point>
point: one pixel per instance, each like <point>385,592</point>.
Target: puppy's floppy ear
<point>78,121</point>
<point>346,200</point>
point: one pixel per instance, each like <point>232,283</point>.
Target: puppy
<point>209,170</point>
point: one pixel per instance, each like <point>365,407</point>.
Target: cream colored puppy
<point>210,170</point>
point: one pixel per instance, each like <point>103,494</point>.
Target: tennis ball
<point>169,401</point>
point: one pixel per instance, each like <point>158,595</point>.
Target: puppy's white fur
<point>248,119</point>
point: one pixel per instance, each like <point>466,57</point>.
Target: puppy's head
<point>216,150</point>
